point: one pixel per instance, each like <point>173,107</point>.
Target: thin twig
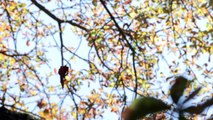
<point>128,43</point>
<point>56,18</point>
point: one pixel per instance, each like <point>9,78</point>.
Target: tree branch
<point>56,18</point>
<point>129,45</point>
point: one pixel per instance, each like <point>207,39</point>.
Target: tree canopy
<point>110,52</point>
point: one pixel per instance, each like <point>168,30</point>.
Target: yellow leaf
<point>51,89</point>
<point>1,57</point>
<point>73,114</point>
<point>133,14</point>
<point>67,78</point>
<point>12,61</point>
<point>33,92</point>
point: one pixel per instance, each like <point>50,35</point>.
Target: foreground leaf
<point>178,88</point>
<point>200,108</point>
<point>144,106</point>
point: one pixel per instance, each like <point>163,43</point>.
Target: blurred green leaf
<point>147,105</point>
<point>211,3</point>
<point>178,88</point>
<point>94,2</point>
<point>200,108</point>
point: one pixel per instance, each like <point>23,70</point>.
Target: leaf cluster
<point>143,106</point>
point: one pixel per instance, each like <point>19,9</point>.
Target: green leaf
<point>192,94</point>
<point>147,105</point>
<point>178,88</point>
<point>94,2</point>
<point>199,109</point>
<point>211,3</point>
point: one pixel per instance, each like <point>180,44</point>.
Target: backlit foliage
<point>129,48</point>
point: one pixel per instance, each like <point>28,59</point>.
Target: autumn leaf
<point>63,71</point>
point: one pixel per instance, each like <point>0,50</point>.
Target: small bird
<point>63,71</point>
